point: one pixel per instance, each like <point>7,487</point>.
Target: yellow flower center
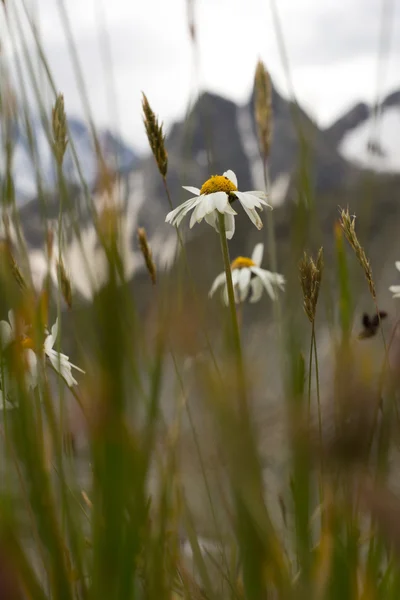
<point>27,344</point>
<point>218,183</point>
<point>242,262</point>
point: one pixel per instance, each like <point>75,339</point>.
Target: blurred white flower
<point>247,276</point>
<point>217,195</point>
<point>395,289</point>
<point>9,330</point>
<point>59,361</point>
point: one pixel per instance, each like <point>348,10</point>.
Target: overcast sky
<point>332,47</point>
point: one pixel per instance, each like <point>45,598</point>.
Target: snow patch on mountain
<point>32,159</point>
<point>375,143</point>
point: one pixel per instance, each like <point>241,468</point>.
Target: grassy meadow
<point>157,442</point>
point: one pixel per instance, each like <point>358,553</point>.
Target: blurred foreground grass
<point>136,483</point>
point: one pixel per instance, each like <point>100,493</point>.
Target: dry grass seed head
<point>147,254</point>
<point>155,136</point>
<point>347,223</point>
<point>263,108</point>
<point>65,282</point>
<point>59,126</point>
<point>310,279</point>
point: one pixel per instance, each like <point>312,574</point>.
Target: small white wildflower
<point>395,289</point>
<point>59,361</point>
<point>248,276</point>
<point>217,195</point>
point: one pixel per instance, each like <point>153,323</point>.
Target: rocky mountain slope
<point>307,166</point>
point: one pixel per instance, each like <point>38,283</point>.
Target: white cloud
<point>332,49</point>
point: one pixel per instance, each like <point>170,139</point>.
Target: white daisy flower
<point>11,332</point>
<point>395,289</point>
<point>217,195</point>
<point>59,361</point>
<point>247,276</point>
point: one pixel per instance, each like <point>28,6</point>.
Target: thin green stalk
<point>321,487</point>
<point>270,220</point>
<point>272,244</point>
<point>232,310</point>
<point>198,449</point>
<point>185,258</point>
<point>310,371</point>
<point>317,382</point>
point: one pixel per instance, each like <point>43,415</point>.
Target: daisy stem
<point>193,287</point>
<point>314,343</point>
<point>310,371</point>
<point>270,220</point>
<point>271,237</point>
<point>232,309</point>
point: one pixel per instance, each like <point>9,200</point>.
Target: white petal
<point>225,297</point>
<point>194,190</point>
<point>218,281</point>
<point>235,284</point>
<point>31,359</point>
<point>191,206</point>
<point>220,201</point>
<point>261,196</point>
<point>195,218</point>
<point>211,219</point>
<point>12,320</point>
<point>229,226</point>
<point>229,210</point>
<point>257,289</point>
<point>231,176</point>
<point>248,200</point>
<point>62,366</point>
<point>77,368</point>
<point>257,255</point>
<point>258,193</point>
<point>253,216</point>
<point>171,216</point>
<point>200,211</point>
<point>244,283</point>
<point>235,277</point>
<point>48,344</point>
<point>209,204</point>
<point>280,281</point>
<point>54,330</point>
<point>6,334</point>
<point>264,203</point>
<point>265,279</point>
